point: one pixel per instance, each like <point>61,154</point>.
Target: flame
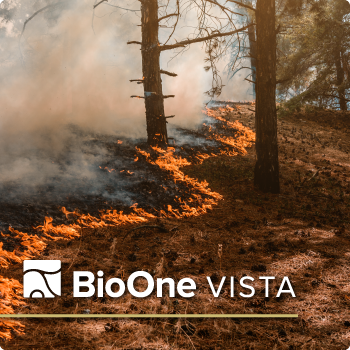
<point>201,200</point>
<point>28,247</point>
<point>244,136</point>
<point>10,291</point>
<point>127,172</point>
<point>60,232</point>
<point>109,170</point>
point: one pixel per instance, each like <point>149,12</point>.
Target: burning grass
<point>27,248</point>
<point>302,233</point>
<point>201,200</point>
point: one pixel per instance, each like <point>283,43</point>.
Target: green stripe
<point>151,316</point>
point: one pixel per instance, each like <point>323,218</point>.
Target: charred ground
<point>122,178</point>
<point>302,233</point>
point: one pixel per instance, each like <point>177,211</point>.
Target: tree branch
<point>334,96</point>
<point>118,7</point>
<point>134,42</point>
<point>198,40</point>
<point>99,3</point>
<point>243,5</point>
<point>168,73</point>
<point>138,81</point>
<point>39,11</point>
<point>176,22</point>
<point>167,16</point>
<point>251,81</point>
<point>223,7</point>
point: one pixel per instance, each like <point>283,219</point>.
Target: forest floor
<point>303,233</point>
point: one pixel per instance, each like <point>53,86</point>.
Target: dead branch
<point>198,40</point>
<point>139,81</point>
<point>314,175</point>
<point>134,96</point>
<point>168,73</point>
<point>243,5</point>
<point>252,110</point>
<point>223,8</point>
<point>100,3</point>
<point>39,11</point>
<point>251,81</point>
<point>168,96</point>
<point>170,116</point>
<point>176,23</point>
<point>307,180</point>
<point>167,16</point>
<point>118,7</point>
<point>134,42</point>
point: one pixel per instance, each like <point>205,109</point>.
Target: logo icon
<point>42,278</point>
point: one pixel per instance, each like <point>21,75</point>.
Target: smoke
<point>70,68</point>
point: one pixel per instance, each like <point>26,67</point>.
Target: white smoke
<point>72,69</point>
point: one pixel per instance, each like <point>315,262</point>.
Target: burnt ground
<point>302,233</point>
<point>120,177</point>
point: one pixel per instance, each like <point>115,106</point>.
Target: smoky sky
<point>71,67</point>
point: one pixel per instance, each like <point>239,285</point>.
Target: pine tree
<point>313,53</point>
<point>266,176</point>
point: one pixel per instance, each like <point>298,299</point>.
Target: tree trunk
<point>252,46</point>
<point>266,176</point>
<point>340,78</point>
<point>154,102</point>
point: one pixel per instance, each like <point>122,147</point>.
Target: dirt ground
<point>303,233</point>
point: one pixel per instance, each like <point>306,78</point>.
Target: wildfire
<point>106,168</point>
<point>28,247</point>
<point>60,232</point>
<point>201,200</point>
<point>10,290</point>
<point>128,172</point>
<point>243,139</point>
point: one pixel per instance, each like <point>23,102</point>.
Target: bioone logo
<point>42,278</point>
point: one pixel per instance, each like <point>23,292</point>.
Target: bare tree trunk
<point>252,48</point>
<point>266,176</point>
<point>340,78</point>
<point>154,102</point>
<point>252,45</point>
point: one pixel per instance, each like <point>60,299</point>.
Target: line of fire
<point>172,143</point>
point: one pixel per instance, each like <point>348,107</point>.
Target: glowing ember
<point>109,170</point>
